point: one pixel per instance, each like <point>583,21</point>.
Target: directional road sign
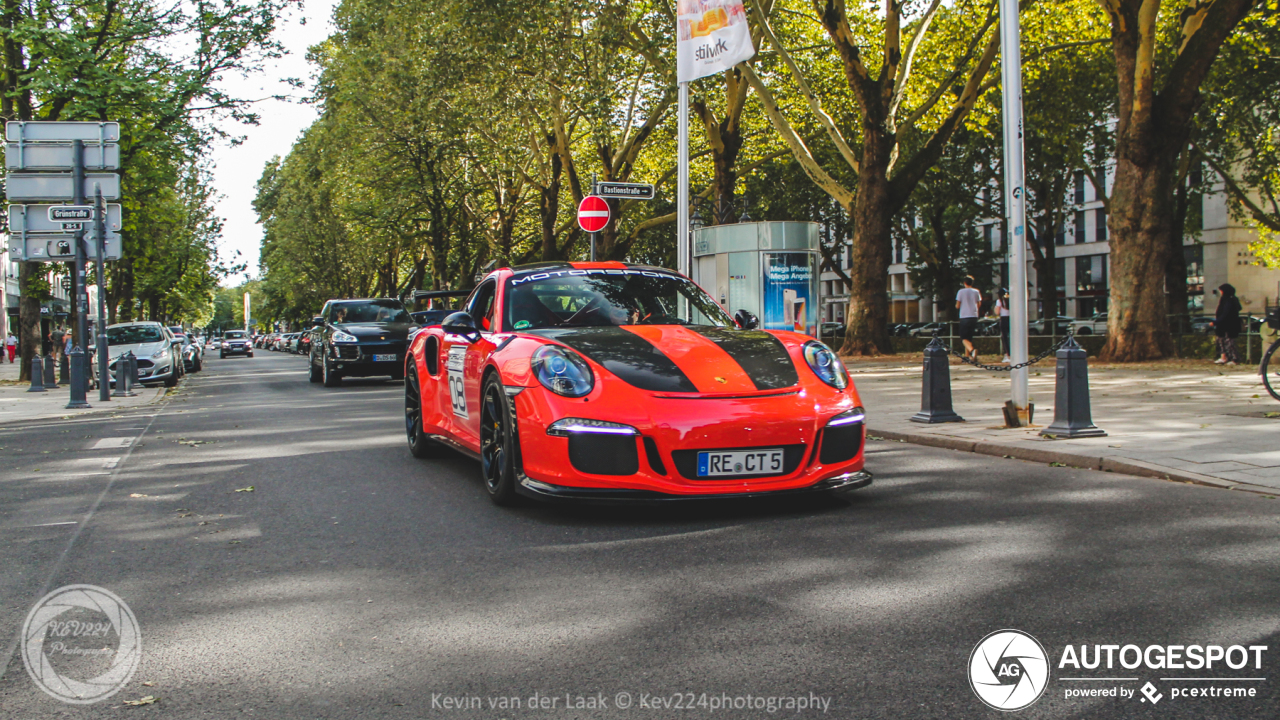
<point>60,186</point>
<point>59,156</point>
<point>633,191</point>
<point>58,248</point>
<point>593,213</point>
<point>39,219</point>
<point>61,131</point>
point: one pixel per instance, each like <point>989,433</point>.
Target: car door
<point>464,360</point>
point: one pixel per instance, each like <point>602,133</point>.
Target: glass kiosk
<point>767,268</point>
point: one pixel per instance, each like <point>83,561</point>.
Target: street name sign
<point>632,191</point>
<point>59,186</point>
<point>70,213</point>
<point>61,131</point>
<point>34,219</point>
<point>59,156</point>
<point>593,213</point>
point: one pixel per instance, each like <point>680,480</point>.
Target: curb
<point>1127,466</point>
<point>97,409</point>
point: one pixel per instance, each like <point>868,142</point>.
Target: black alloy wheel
<point>498,453</point>
<point>313,373</point>
<point>420,445</point>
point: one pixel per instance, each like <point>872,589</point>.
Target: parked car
<point>157,350</point>
<point>359,338</point>
<point>1050,326</point>
<point>926,329</point>
<point>235,342</point>
<point>566,381</point>
<point>1096,325</point>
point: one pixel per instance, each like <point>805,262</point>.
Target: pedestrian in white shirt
<point>968,300</point>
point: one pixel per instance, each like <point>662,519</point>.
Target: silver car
<point>158,351</point>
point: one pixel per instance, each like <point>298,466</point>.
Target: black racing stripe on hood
<point>760,355</point>
<point>636,360</point>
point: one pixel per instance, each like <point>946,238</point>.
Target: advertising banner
<point>788,293</point>
<point>712,36</point>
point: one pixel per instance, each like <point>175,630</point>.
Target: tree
<point>893,102</point>
<point>1161,63</point>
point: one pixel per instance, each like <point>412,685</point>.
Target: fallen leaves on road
<point>1057,464</point>
<point>149,684</point>
<point>245,489</point>
<point>193,443</point>
<point>148,700</point>
<point>137,495</point>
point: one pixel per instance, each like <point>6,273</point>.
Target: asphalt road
<point>356,582</point>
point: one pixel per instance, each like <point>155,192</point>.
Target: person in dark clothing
<point>1226,324</point>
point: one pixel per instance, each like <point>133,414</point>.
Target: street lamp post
<point>1019,407</point>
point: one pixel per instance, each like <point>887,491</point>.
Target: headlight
<point>826,365</point>
<point>159,353</point>
<point>849,417</point>
<point>562,372</point>
<point>340,336</point>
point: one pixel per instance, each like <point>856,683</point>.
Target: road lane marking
<point>114,443</point>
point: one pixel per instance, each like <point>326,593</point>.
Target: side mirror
<point>461,323</point>
<point>316,321</point>
<point>175,342</point>
<point>746,320</point>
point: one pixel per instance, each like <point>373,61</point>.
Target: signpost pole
<point>100,236</point>
<point>682,183</point>
<point>79,286</point>
<point>594,235</point>
<point>1016,211</point>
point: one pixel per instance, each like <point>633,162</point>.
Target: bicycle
<point>1270,375</point>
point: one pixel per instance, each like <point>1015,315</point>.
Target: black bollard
<point>935,397</point>
<point>37,375</point>
<point>64,369</point>
<point>1071,414</point>
<point>79,387</point>
<point>50,373</point>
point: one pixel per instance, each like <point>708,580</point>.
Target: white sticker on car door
<point>457,389</point>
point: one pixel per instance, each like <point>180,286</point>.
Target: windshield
<point>614,297</point>
<point>133,335</point>
<point>233,335</point>
<point>369,311</point>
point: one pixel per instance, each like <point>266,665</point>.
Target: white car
<point>158,352</point>
<point>1096,325</point>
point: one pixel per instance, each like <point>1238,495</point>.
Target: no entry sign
<point>593,213</point>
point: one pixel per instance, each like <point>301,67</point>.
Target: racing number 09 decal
<point>457,390</point>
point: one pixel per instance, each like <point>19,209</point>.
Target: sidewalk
<point>1210,425</point>
<point>17,405</point>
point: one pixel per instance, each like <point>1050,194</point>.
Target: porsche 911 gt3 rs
<point>608,381</point>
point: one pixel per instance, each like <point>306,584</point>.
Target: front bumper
<point>356,359</point>
<point>237,349</point>
<point>660,462</point>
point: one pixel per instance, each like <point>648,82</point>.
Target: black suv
<point>235,342</point>
<point>359,338</point>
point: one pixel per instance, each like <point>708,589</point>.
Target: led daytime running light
<point>849,417</point>
<point>562,428</point>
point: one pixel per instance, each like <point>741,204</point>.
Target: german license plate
<point>384,358</point>
<point>740,462</point>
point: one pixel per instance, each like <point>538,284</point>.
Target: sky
<point>236,169</point>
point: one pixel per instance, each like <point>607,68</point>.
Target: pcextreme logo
<point>1008,670</point>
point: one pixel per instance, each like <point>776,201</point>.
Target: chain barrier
<point>1070,337</point>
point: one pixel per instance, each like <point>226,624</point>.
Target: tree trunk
<point>1141,222</point>
<point>872,212</point>
<point>29,339</point>
<point>126,293</point>
<point>1175,266</point>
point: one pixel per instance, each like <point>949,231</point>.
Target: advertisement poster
<point>788,299</point>
<point>713,37</point>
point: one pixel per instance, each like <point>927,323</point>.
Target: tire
<point>499,444</point>
<point>249,355</point>
<point>199,365</point>
<point>222,356</point>
<point>329,377</point>
<point>172,380</point>
<point>1269,368</point>
<point>313,373</point>
<point>1084,331</point>
<point>421,446</point>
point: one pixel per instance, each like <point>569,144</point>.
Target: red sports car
<point>606,381</point>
